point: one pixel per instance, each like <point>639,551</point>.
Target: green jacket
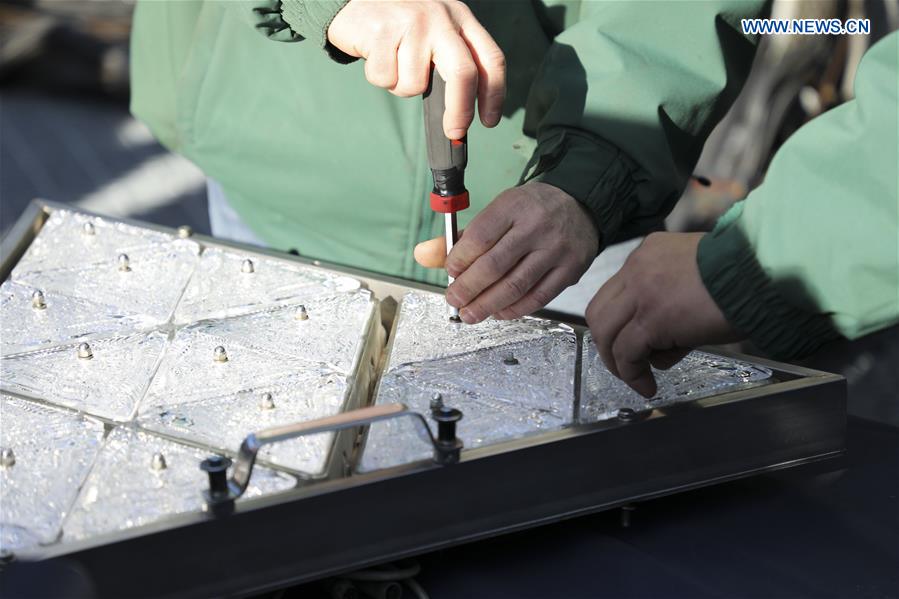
<point>813,253</point>
<point>610,101</point>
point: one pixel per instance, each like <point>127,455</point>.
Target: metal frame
<point>326,527</point>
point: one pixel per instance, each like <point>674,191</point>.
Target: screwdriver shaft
<point>452,234</point>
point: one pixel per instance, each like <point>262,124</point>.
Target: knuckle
<point>541,297</point>
<point>515,286</point>
<point>464,70</point>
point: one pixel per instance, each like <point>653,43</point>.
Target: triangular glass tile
<point>193,368</point>
<point>696,376</point>
<point>109,383</point>
<point>148,281</point>
<point>509,391</point>
<point>72,240</point>
<point>139,479</point>
<point>328,330</point>
<point>46,455</point>
<point>62,319</point>
<point>229,283</point>
<point>424,331</point>
<point>224,422</point>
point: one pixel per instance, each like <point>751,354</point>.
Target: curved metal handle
<point>446,446</point>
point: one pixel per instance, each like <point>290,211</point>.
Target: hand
<point>654,310</point>
<point>517,254</point>
<point>399,39</point>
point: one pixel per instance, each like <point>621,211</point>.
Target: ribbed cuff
<point>751,301</point>
<point>311,19</point>
<point>591,170</point>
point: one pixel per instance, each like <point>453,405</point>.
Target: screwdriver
<point>447,159</point>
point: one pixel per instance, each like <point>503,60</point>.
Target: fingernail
<point>493,118</point>
<point>456,133</point>
<point>451,298</point>
<point>468,316</point>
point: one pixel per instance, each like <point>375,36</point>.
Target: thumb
<point>431,253</point>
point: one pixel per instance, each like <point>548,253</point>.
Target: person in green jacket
<point>607,105</point>
<point>810,256</point>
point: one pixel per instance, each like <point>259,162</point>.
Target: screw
<point>85,352</point>
<point>7,457</point>
<point>510,360</point>
<point>184,231</point>
<point>446,418</point>
<point>626,415</point>
<point>436,402</point>
<point>158,462</point>
<point>88,229</point>
<point>247,267</point>
<point>301,313</point>
<point>455,319</point>
<point>219,354</point>
<point>266,402</point>
<point>124,263</point>
<point>216,467</point>
<point>37,300</point>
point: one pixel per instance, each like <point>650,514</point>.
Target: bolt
<point>37,300</point>
<point>219,354</point>
<point>626,512</point>
<point>124,263</point>
<point>455,318</point>
<point>301,313</point>
<point>216,467</point>
<point>446,418</point>
<point>85,352</point>
<point>266,402</point>
<point>247,267</point>
<point>436,402</point>
<point>509,359</point>
<point>88,229</point>
<point>158,462</point>
<point>626,415</point>
<point>7,457</point>
<point>184,231</point>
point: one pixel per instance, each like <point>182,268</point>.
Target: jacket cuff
<point>751,301</point>
<point>311,19</point>
<point>591,170</point>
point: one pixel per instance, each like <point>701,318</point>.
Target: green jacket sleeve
<point>625,99</point>
<point>295,20</point>
<point>813,253</point>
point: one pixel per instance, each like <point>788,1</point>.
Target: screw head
<point>509,359</point>
<point>455,319</point>
<point>247,267</point>
<point>626,414</point>
<point>7,457</point>
<point>219,354</point>
<point>436,402</point>
<point>124,263</point>
<point>301,313</point>
<point>37,300</point>
<point>158,462</point>
<point>446,414</point>
<point>184,231</point>
<point>215,463</point>
<point>85,352</point>
<point>88,229</point>
<point>267,402</point>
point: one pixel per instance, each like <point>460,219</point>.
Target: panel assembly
<point>169,394</point>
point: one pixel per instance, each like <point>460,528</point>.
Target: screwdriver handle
<point>447,158</point>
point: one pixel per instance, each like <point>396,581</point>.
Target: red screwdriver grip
<point>447,204</point>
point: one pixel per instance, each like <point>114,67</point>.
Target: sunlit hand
<point>654,310</point>
<point>517,254</point>
<point>399,39</point>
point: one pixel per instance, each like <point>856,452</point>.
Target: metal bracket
<point>223,491</point>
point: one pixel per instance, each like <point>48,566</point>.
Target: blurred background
<point>66,135</point>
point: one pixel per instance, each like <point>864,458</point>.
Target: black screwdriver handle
<point>447,158</point>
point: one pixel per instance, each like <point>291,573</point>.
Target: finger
<point>663,360</point>
<point>551,285</point>
<point>431,253</point>
<point>380,65</point>
<point>508,290</point>
<point>632,349</point>
<point>455,64</point>
<point>491,64</point>
<point>483,232</point>
<point>490,267</point>
<point>607,316</point>
<point>413,68</point>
